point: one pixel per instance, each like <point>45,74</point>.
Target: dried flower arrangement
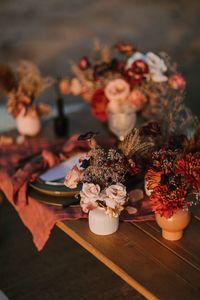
<point>21,86</point>
<point>120,78</point>
<point>103,173</point>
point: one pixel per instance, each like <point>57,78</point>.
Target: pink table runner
<point>14,177</point>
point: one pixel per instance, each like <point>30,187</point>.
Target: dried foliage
<point>22,85</point>
<point>133,144</point>
<point>106,167</point>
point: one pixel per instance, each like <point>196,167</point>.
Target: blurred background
<point>52,33</point>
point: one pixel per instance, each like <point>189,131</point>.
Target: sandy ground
<point>52,33</point>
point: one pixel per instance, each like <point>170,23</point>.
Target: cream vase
<point>172,228</point>
<point>102,224</point>
<point>27,125</point>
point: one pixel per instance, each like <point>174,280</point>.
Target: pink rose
<point>88,205</point>
<point>73,177</point>
<point>89,194</point>
<point>117,89</point>
<point>177,82</point>
<point>137,99</point>
<point>75,87</point>
<point>115,193</point>
<point>90,191</point>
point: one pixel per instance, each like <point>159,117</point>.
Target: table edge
<point>116,269</point>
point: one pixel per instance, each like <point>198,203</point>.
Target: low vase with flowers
<point>103,174</point>
<point>121,83</point>
<point>21,86</point>
<point>174,182</point>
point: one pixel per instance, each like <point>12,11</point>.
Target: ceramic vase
<point>102,224</point>
<point>28,125</point>
<point>121,123</point>
<point>172,228</point>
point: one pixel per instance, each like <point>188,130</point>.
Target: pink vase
<point>172,228</point>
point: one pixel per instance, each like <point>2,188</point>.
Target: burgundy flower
<point>152,129</point>
<point>133,78</point>
<point>140,67</point>
<point>189,167</point>
<point>99,105</point>
<point>84,63</point>
<point>121,66</point>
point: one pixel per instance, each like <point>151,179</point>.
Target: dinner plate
<point>51,182</point>
<point>61,201</point>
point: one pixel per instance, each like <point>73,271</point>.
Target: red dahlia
<point>99,105</point>
<point>166,202</point>
<point>189,167</point>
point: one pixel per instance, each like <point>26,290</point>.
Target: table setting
<point>146,169</point>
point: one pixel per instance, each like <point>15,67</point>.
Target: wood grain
<point>147,265</point>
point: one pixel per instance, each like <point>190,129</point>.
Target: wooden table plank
<point>149,267</point>
<point>188,248</point>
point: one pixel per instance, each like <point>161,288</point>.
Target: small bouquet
<point>103,174</point>
<point>21,86</point>
<point>122,80</point>
<point>174,179</point>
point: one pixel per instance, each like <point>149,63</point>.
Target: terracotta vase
<point>28,125</point>
<point>102,224</point>
<point>172,228</point>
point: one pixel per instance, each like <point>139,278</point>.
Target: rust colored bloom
<point>166,202</point>
<point>153,178</point>
<point>125,48</point>
<point>177,82</point>
<point>99,105</point>
<point>137,99</point>
<point>189,167</point>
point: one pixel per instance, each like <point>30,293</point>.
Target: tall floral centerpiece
<point>103,177</point>
<point>121,82</point>
<point>21,87</point>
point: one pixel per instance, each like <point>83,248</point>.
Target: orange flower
<point>166,202</point>
<point>153,179</point>
<point>137,99</point>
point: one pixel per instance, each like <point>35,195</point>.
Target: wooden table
<point>156,268</point>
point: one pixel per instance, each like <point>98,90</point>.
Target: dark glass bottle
<point>61,122</point>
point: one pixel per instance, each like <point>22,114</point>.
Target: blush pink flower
<point>177,82</point>
<point>137,99</point>
<point>116,193</point>
<point>117,89</point>
<point>75,87</point>
<point>90,191</point>
<point>73,177</point>
<point>89,194</point>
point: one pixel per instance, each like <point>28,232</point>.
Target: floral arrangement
<point>103,174</point>
<point>21,86</point>
<point>122,79</point>
<point>174,178</point>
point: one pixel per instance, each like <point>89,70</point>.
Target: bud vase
<point>102,224</point>
<point>28,125</point>
<point>172,228</point>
